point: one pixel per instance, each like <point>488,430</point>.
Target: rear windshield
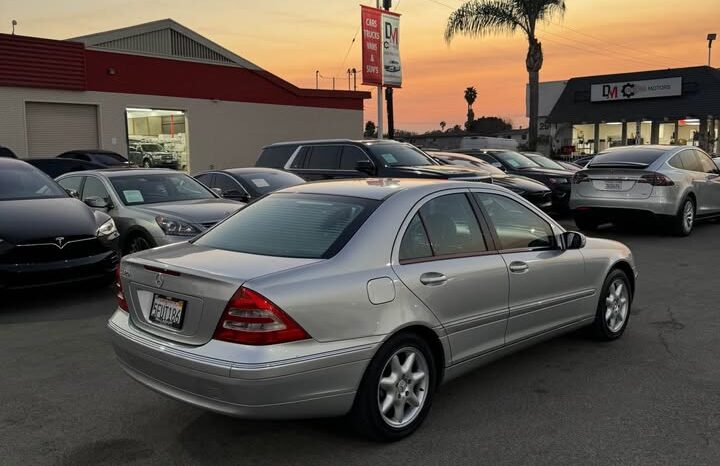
<point>109,159</point>
<point>545,162</point>
<point>266,182</point>
<point>626,157</point>
<point>27,183</point>
<point>292,225</point>
<point>275,156</point>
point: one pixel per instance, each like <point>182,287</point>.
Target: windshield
<point>291,225</point>
<point>110,159</point>
<point>630,156</point>
<point>153,148</point>
<point>266,182</point>
<point>400,155</point>
<point>515,159</point>
<point>545,162</point>
<point>27,183</point>
<point>163,187</point>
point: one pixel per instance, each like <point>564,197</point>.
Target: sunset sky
<point>292,39</point>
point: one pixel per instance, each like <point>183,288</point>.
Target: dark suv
<point>344,158</point>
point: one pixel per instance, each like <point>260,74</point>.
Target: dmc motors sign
<point>627,90</point>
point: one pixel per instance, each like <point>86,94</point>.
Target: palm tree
<point>470,97</point>
<point>442,126</point>
<point>487,17</point>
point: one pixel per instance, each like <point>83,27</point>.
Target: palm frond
<point>485,17</point>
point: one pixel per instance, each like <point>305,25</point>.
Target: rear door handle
<point>432,278</point>
<point>518,267</point>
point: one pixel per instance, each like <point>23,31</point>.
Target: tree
<point>470,97</point>
<point>477,18</point>
<point>370,129</point>
<point>488,126</point>
<point>442,126</point>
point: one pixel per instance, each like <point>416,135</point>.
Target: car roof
<point>655,147</point>
<point>92,151</point>
<point>243,170</point>
<point>366,142</point>
<point>374,188</point>
<point>9,162</point>
<point>113,172</point>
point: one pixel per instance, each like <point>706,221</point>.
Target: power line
<point>352,42</point>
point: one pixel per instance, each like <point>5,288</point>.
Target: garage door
<point>55,128</point>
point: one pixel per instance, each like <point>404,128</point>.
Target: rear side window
<point>415,243</point>
<point>690,161</point>
<point>292,225</point>
<point>324,158</point>
<point>676,162</point>
<point>275,156</point>
<point>640,157</point>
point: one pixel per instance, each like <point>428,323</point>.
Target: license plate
<point>167,311</point>
<point>613,185</point>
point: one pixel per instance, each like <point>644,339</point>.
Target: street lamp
<point>710,38</point>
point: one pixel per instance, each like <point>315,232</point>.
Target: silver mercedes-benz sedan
<point>676,183</point>
<point>359,297</point>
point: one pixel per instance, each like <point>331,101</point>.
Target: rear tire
<point>613,311</point>
<point>395,394</point>
<point>147,163</point>
<point>683,222</point>
<point>587,222</point>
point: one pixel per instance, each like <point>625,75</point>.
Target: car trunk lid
<point>614,183</point>
<point>189,286</point>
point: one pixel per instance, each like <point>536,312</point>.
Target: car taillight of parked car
<point>580,178</point>
<point>251,319</point>
<point>656,179</point>
<point>122,302</point>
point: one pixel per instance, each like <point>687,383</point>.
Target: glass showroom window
<point>610,135</point>
<point>689,132</point>
<point>158,138</point>
<point>584,139</point>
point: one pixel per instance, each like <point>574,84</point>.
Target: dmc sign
<point>628,90</point>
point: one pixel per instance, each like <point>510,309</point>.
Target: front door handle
<point>518,267</point>
<point>432,278</point>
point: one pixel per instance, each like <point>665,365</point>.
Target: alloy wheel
<point>617,304</point>
<point>688,215</point>
<point>138,244</point>
<point>403,386</point>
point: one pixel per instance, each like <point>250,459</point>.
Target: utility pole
<point>354,72</point>
<point>317,79</point>
<point>710,38</point>
<point>379,91</point>
<point>387,4</point>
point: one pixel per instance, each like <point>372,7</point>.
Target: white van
<point>485,142</point>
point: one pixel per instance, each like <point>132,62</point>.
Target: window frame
<point>490,242</point>
<point>218,175</point>
<point>493,231</point>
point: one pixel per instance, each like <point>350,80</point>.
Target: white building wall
<point>221,134</point>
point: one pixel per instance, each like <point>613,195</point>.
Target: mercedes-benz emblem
<point>159,280</point>
<point>59,241</point>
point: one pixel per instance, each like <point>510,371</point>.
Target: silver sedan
<point>359,297</point>
<point>677,184</point>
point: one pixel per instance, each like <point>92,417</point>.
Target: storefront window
<point>666,133</point>
<point>610,135</point>
<point>641,137</point>
<point>158,138</point>
<point>689,132</point>
<point>584,139</point>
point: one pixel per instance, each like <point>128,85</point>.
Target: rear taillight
<point>580,177</point>
<point>250,319</point>
<point>122,302</point>
<point>656,179</point>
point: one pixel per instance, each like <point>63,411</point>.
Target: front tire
<point>684,220</point>
<point>136,243</point>
<point>397,389</point>
<point>613,311</point>
<point>147,163</point>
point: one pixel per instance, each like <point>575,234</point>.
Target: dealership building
<point>157,83</point>
<point>673,106</point>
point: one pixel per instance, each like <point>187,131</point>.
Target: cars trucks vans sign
<point>380,47</point>
<point>629,90</point>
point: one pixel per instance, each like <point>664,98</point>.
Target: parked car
<point>343,158</point>
<point>47,236</point>
<point>582,161</point>
<point>151,207</point>
<point>679,184</point>
<point>7,152</point>
<point>532,190</point>
<point>54,167</point>
<point>104,158</point>
<point>151,155</point>
<point>547,162</point>
<point>359,297</point>
<point>514,163</point>
<point>246,184</point>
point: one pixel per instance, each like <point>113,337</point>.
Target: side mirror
<point>97,202</point>
<point>573,240</point>
<point>73,193</point>
<point>365,166</point>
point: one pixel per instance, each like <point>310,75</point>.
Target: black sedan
<point>105,158</point>
<point>54,167</point>
<point>52,237</point>
<point>532,190</point>
<point>246,184</point>
<point>514,163</point>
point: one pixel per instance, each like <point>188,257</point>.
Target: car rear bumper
<point>275,385</point>
<point>29,275</point>
<point>655,205</point>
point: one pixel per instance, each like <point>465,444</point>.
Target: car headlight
<point>174,227</point>
<point>558,180</point>
<point>108,229</point>
<point>156,156</point>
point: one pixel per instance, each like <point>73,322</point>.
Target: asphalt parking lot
<point>653,397</point>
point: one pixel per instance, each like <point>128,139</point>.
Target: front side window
<point>71,183</point>
<point>227,185</point>
<point>94,188</point>
<point>516,226</point>
<point>351,155</point>
<point>155,188</point>
<point>708,166</point>
<point>292,225</point>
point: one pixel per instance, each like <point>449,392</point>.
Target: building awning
<point>700,98</point>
